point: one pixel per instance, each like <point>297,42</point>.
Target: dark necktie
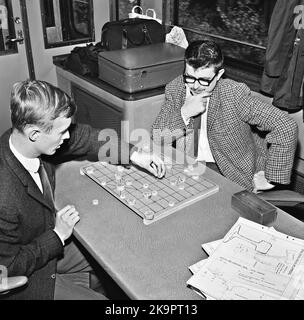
<point>196,131</point>
<point>47,190</point>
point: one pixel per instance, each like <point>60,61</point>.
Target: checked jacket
<point>245,133</point>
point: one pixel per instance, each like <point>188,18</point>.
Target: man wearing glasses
<point>219,122</point>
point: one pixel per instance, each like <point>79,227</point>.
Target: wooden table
<point>151,262</point>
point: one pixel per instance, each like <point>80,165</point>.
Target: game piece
<point>120,169</point>
<point>95,202</point>
<point>154,193</point>
<point>171,203</point>
<point>131,201</point>
<point>147,194</point>
<point>90,170</point>
<point>120,187</point>
<point>173,182</point>
<point>149,197</point>
<point>149,215</point>
<point>196,169</point>
<point>181,179</point>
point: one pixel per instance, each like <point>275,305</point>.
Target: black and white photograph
<point>152,154</point>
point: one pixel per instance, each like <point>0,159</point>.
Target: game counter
<point>151,261</point>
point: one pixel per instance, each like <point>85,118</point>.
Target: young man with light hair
<point>35,237</point>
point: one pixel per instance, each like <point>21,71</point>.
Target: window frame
<point>12,30</point>
<point>235,69</point>
<point>65,43</point>
<point>247,72</point>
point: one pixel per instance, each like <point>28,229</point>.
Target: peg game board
<point>150,197</point>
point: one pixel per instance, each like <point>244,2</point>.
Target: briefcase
<point>142,68</point>
<point>130,33</point>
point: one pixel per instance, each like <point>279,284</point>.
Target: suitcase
<point>131,33</point>
<point>137,69</point>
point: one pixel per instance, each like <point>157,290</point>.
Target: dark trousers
<point>73,277</point>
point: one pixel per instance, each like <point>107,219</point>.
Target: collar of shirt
<point>207,105</point>
<point>30,164</point>
<point>204,151</point>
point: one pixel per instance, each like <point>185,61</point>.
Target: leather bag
<point>84,60</point>
<point>131,33</point>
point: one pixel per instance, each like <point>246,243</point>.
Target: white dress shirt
<point>203,152</point>
<point>30,164</point>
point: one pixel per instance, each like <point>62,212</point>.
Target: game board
<point>150,197</point>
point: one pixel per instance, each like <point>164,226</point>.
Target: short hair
<point>204,53</point>
<point>35,102</point>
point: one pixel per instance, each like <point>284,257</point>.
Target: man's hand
<point>150,162</point>
<point>194,104</point>
<point>260,183</point>
<point>66,219</point>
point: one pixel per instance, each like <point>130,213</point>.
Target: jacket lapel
<point>23,175</point>
<point>34,192</point>
<point>214,105</point>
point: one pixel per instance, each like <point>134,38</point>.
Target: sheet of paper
<point>253,262</point>
<point>209,247</point>
<point>197,266</point>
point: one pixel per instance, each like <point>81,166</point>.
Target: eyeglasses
<point>201,81</point>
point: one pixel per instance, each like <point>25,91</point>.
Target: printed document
<point>252,262</point>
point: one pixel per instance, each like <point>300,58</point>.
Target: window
<point>239,26</point>
<point>7,29</point>
<point>67,22</point>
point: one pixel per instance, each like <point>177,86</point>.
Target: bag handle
<point>137,7</point>
<point>153,13</point>
<point>125,38</point>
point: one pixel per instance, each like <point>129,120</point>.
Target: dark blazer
<point>234,116</point>
<point>28,244</point>
<point>284,61</point>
